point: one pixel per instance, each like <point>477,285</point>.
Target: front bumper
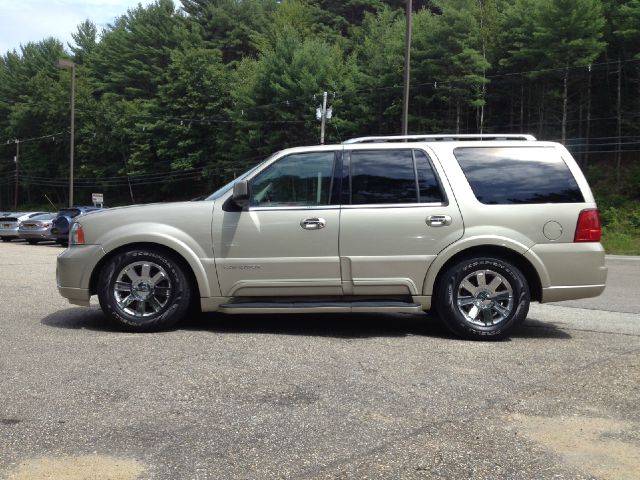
<point>74,268</point>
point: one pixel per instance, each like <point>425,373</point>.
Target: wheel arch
<point>189,270</point>
<point>518,259</point>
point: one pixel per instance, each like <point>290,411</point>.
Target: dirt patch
<point>87,467</point>
<point>602,447</point>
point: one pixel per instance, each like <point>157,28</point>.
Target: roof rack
<point>443,137</point>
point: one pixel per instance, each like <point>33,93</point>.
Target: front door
<point>286,242</point>
<point>397,215</point>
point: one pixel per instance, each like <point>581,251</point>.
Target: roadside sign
<point>97,198</point>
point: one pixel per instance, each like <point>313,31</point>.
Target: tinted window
<point>429,188</point>
<point>518,175</point>
<point>295,180</point>
<point>389,176</point>
<point>69,212</point>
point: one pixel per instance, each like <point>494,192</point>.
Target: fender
<point>174,239</point>
<point>479,241</point>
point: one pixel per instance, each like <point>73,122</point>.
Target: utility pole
<point>322,113</point>
<point>407,71</point>
<point>68,64</point>
<point>15,193</point>
<point>324,117</point>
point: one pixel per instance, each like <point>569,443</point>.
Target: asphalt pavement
<point>314,397</point>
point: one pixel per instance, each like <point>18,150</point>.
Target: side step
<point>381,306</point>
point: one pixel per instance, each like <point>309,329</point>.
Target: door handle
<point>313,223</point>
<point>438,220</point>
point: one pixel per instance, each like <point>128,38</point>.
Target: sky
<point>23,21</point>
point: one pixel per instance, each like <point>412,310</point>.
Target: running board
<point>322,307</point>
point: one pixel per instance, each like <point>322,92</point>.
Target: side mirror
<point>241,193</point>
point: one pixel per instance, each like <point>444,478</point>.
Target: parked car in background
<point>60,227</point>
<point>37,228</point>
<point>9,224</point>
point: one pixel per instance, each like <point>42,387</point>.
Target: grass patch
<point>621,227</point>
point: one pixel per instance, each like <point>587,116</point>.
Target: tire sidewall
<point>179,298</point>
<point>455,320</point>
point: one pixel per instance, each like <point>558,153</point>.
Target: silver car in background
<point>9,225</point>
<point>37,228</point>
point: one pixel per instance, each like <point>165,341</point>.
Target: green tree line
<point>174,100</point>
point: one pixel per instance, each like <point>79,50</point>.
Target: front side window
<point>392,177</point>
<point>298,180</point>
<point>516,175</point>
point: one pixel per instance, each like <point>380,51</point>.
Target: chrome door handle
<point>438,220</point>
<point>313,223</point>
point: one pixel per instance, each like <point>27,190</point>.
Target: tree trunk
<point>565,81</point>
<point>588,131</point>
<point>541,112</point>
<point>619,129</point>
<point>522,106</point>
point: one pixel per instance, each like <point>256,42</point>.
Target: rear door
<point>397,213</point>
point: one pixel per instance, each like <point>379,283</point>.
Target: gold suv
<point>473,227</point>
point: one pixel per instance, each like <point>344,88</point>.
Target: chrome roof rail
<point>443,137</point>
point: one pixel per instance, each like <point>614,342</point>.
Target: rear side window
<point>516,175</point>
<point>69,212</point>
<point>392,177</point>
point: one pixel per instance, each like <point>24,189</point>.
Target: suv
<point>60,225</point>
<point>471,226</point>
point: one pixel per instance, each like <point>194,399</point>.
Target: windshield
<point>221,191</point>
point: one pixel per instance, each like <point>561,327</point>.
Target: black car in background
<point>62,222</point>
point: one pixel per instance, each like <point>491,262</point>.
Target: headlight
<point>76,236</point>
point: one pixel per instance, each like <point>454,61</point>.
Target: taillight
<point>588,227</point>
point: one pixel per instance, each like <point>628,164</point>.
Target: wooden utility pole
<point>15,193</point>
<point>407,71</point>
<point>323,120</point>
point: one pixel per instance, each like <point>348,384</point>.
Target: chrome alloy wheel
<point>142,289</point>
<point>485,298</point>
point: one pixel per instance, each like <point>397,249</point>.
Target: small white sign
<point>97,198</point>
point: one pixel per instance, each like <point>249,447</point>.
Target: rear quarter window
<point>516,175</point>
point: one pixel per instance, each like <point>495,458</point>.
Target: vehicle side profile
<point>473,227</point>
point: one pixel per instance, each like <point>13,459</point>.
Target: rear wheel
<point>6,239</point>
<point>144,290</point>
<point>32,241</point>
<point>482,298</point>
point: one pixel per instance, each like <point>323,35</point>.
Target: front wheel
<point>482,298</point>
<point>144,290</point>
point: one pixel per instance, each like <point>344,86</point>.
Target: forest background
<point>174,100</point>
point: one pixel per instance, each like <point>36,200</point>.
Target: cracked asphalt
<point>314,397</point>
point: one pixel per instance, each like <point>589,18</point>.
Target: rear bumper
<point>556,294</point>
<point>569,271</point>
<point>40,235</point>
<point>9,232</point>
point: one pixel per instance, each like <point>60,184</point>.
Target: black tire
<point>482,298</point>
<point>32,241</point>
<point>169,298</point>
<point>6,239</point>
